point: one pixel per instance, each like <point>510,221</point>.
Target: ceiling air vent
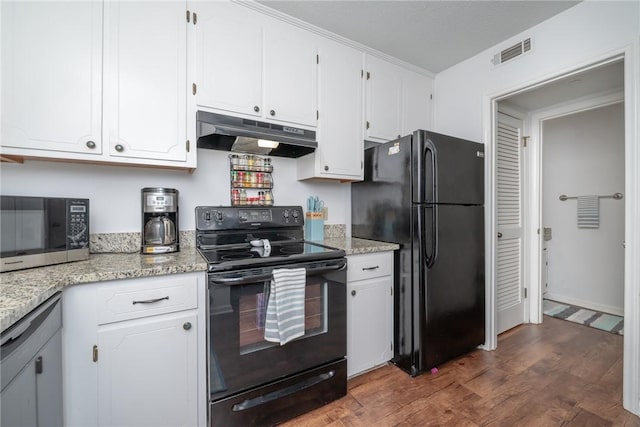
<point>512,52</point>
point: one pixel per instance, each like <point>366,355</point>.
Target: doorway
<point>532,259</point>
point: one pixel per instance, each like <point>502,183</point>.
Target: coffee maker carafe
<point>160,232</point>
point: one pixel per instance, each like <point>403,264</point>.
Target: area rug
<point>595,319</point>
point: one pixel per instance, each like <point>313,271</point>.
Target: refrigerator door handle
<point>432,253</point>
<point>430,149</point>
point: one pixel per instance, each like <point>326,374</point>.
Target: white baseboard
<point>618,311</point>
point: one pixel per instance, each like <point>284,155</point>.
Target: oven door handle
<point>226,281</point>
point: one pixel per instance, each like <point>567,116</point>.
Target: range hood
<point>220,132</point>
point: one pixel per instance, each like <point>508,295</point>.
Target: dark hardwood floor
<point>555,374</point>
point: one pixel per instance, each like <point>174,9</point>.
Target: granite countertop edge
<point>22,291</point>
<point>355,246</point>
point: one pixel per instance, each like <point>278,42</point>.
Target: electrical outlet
<point>325,213</point>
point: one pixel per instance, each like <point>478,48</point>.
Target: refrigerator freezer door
<point>448,170</point>
<point>381,204</point>
<point>451,282</point>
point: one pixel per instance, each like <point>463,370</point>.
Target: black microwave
<point>37,231</point>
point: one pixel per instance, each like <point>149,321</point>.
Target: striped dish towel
<point>285,307</point>
<point>588,212</point>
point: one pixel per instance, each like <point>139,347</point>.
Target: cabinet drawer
<point>132,299</point>
<point>367,266</point>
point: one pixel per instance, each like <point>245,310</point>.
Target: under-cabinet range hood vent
<point>219,132</point>
<point>512,52</point>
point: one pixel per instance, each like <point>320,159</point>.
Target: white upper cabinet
<point>146,80</point>
<point>228,58</point>
<point>290,74</point>
<point>255,66</point>
<point>398,101</point>
<point>383,121</point>
<point>52,76</point>
<point>76,89</point>
<point>416,102</point>
<point>340,142</point>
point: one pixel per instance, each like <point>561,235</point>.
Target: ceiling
<point>433,35</point>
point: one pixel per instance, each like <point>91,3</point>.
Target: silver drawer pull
<point>370,268</point>
<point>150,301</point>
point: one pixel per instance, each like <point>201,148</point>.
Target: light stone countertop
<point>354,246</point>
<point>22,291</point>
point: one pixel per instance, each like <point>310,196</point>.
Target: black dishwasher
<point>31,368</point>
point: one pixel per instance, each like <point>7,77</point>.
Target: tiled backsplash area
<point>131,242</point>
<point>335,231</point>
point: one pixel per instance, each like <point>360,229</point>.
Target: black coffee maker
<point>160,233</point>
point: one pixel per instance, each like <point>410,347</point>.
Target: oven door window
<point>240,357</point>
<point>253,311</point>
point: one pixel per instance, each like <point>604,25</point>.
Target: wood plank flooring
<point>555,374</point>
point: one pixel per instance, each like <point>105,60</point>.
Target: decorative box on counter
<point>314,226</point>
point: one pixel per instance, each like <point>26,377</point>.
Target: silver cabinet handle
<point>370,268</point>
<point>272,112</point>
<point>151,301</point>
<point>326,168</point>
<point>353,293</point>
<point>186,326</point>
<point>119,148</point>
<point>256,109</point>
<point>91,144</point>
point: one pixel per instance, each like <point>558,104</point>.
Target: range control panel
<point>241,218</point>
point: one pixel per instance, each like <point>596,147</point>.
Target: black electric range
<point>254,381</point>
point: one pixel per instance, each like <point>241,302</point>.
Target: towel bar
<point>616,196</point>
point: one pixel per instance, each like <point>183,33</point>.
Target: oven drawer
<point>284,399</point>
<point>126,300</point>
<point>368,266</point>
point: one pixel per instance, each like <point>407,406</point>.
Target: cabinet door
<point>145,80</point>
<point>383,100</point>
<point>49,383</point>
<point>147,372</point>
<point>19,400</point>
<point>228,58</point>
<point>369,323</point>
<point>340,143</point>
<point>52,76</point>
<point>416,93</point>
<point>290,74</point>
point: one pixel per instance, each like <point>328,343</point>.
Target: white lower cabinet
<point>369,311</point>
<point>135,352</point>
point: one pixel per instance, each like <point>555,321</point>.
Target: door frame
<point>630,53</point>
<point>536,243</point>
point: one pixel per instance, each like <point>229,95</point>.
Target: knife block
<point>314,226</point>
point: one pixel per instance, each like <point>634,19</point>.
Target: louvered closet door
<point>509,249</point>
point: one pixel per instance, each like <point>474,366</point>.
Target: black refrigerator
<point>426,192</point>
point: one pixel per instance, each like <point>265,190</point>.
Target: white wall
<point>591,28</point>
<point>115,191</point>
<point>584,154</point>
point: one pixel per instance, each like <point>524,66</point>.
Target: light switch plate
<point>325,213</point>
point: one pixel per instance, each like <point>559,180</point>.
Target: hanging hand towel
<point>285,308</point>
<point>588,212</point>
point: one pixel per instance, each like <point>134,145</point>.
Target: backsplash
<point>100,243</point>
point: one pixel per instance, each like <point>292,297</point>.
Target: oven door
<point>240,358</point>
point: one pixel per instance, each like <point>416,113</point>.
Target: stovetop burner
<point>233,257</point>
